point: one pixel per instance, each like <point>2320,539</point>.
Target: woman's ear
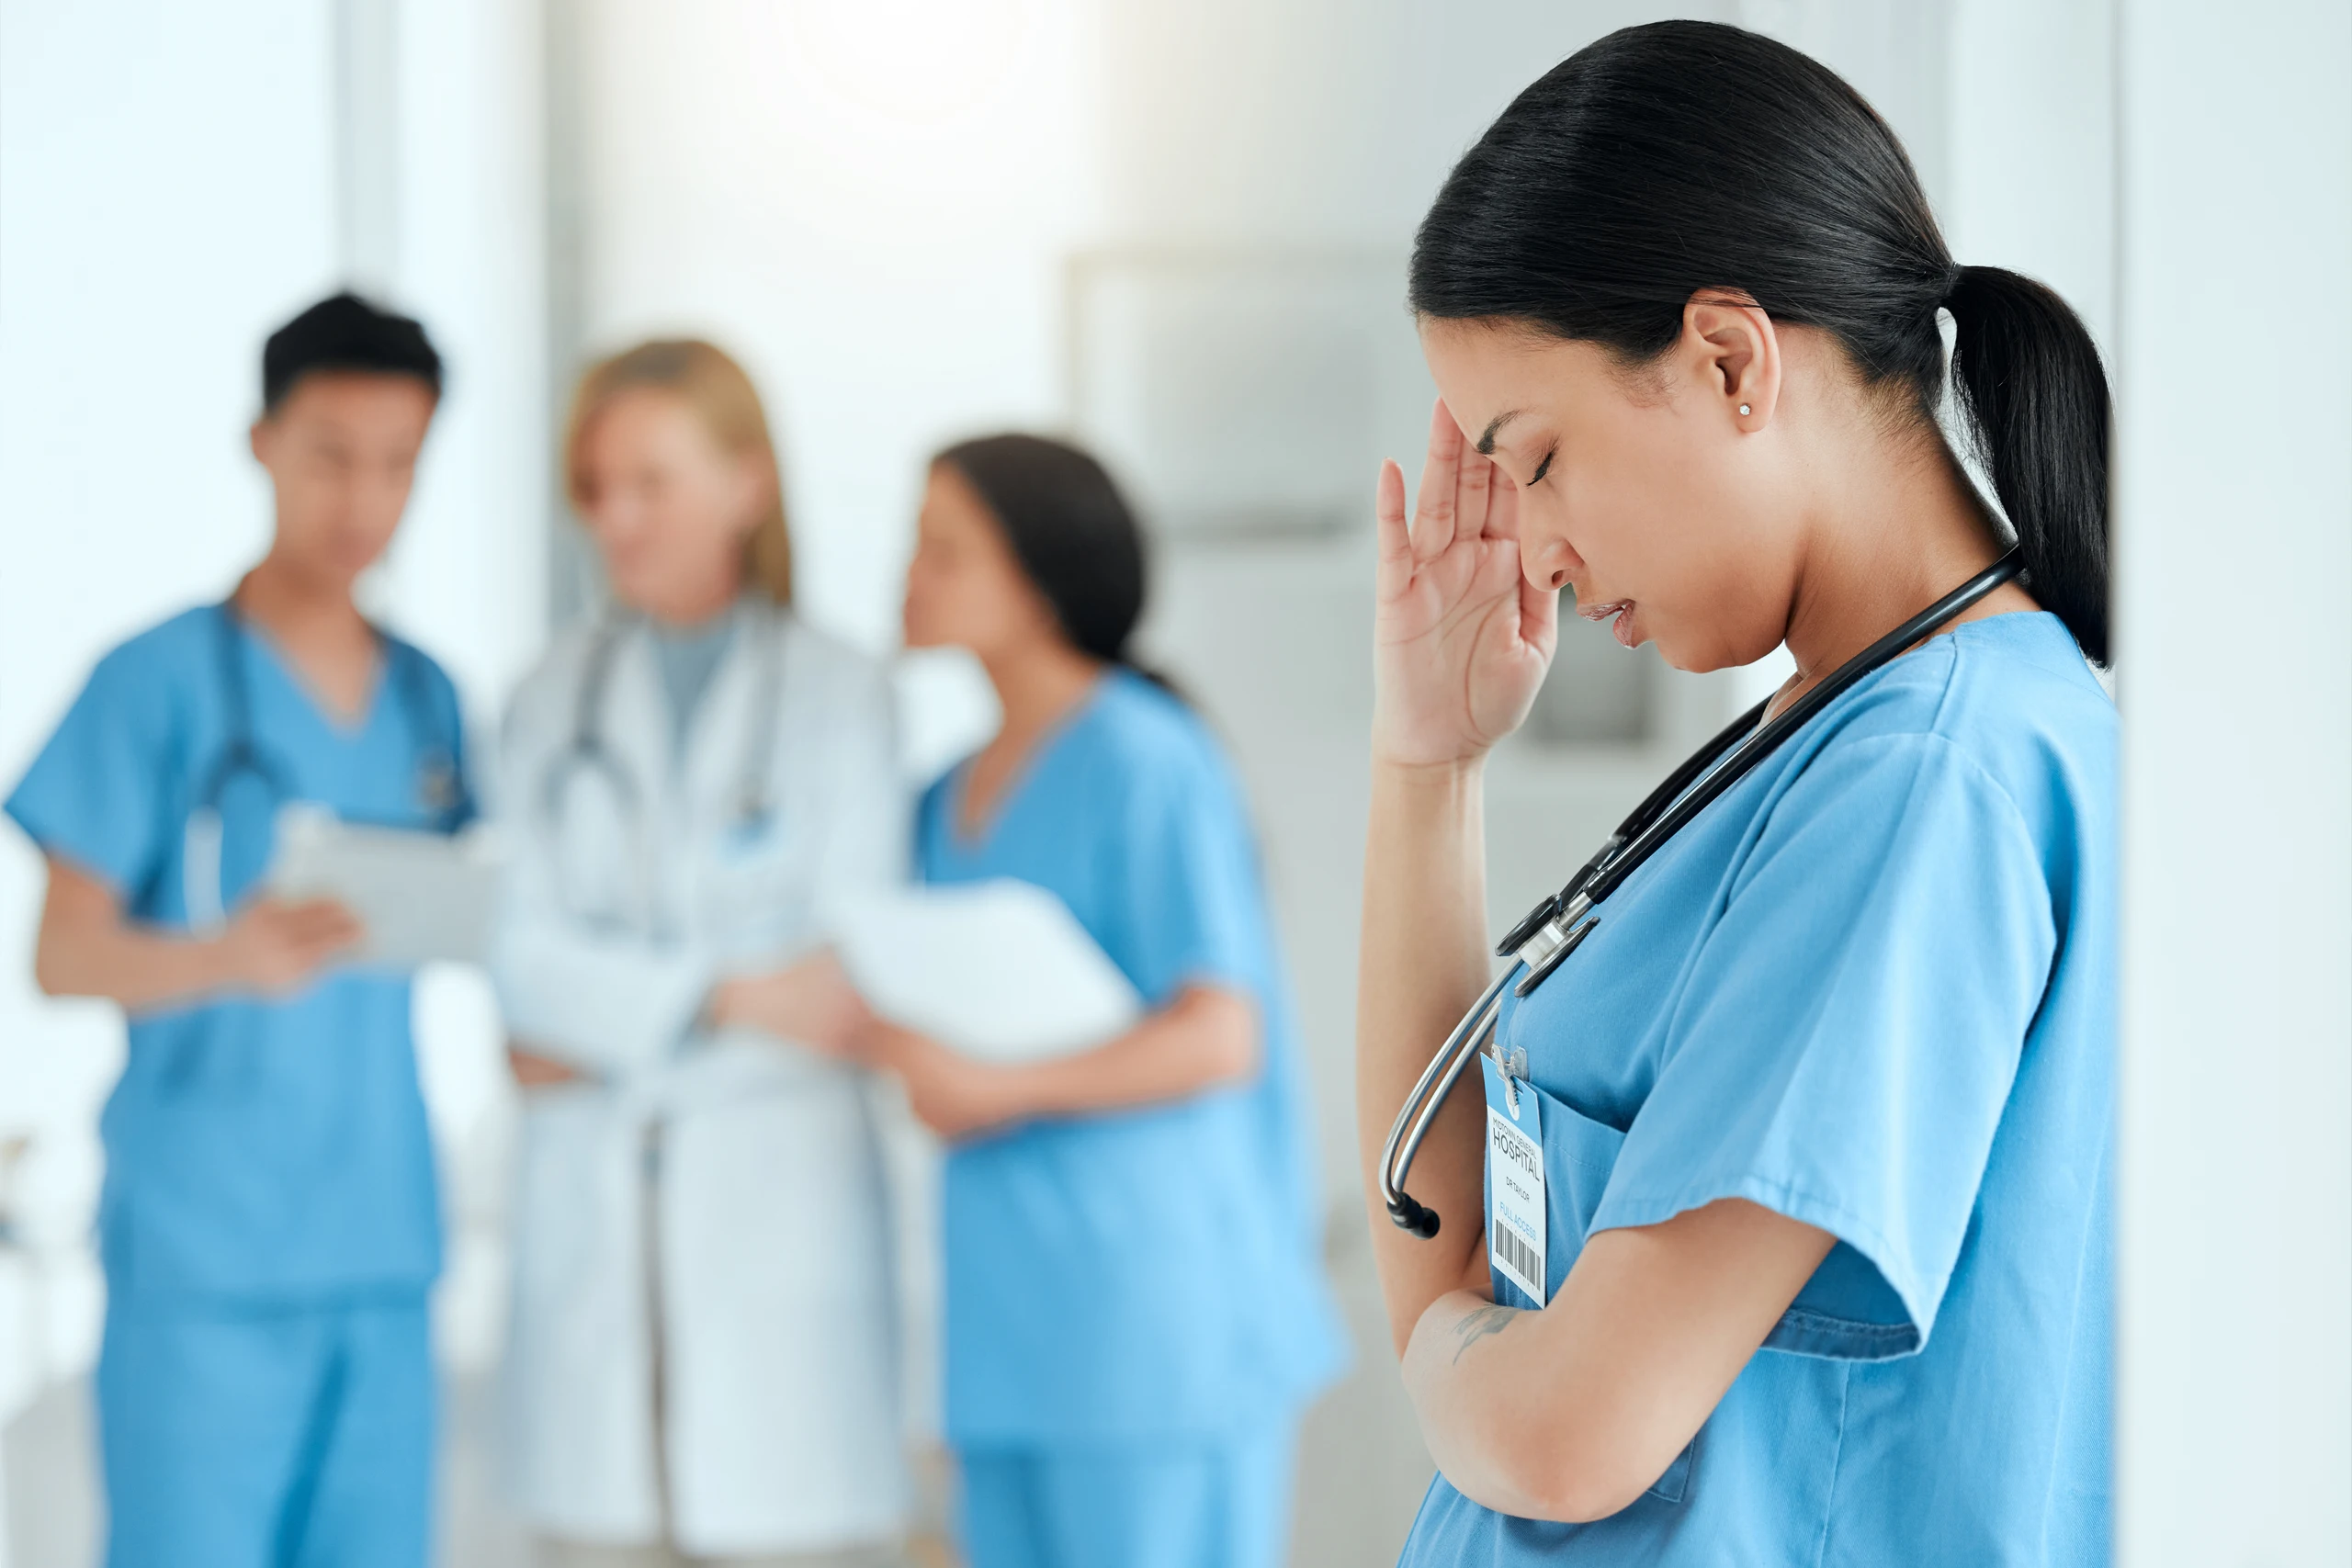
<point>1731,344</point>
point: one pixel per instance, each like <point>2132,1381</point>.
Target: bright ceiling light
<point>912,62</point>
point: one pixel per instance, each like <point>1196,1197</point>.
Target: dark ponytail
<point>1679,156</point>
<point>1071,530</point>
<point>2029,377</point>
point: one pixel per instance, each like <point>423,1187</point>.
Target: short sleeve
<point>1189,885</point>
<point>1844,1045</point>
<point>97,794</point>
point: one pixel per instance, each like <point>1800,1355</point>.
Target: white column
<point>2234,556</point>
<point>367,163</point>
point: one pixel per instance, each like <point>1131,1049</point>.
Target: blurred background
<point>1175,228</point>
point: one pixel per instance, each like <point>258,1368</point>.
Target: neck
<point>294,604</point>
<point>1039,683</point>
<point>700,609</point>
<point>1897,535</point>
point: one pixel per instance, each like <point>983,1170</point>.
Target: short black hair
<point>345,332</point>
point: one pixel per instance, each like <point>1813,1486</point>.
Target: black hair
<point>1679,156</point>
<point>1071,530</point>
<point>345,332</point>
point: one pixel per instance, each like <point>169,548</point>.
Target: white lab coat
<point>777,1402</point>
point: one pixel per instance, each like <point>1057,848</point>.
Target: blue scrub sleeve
<point>1846,1039</point>
<point>96,795</point>
<point>1190,880</point>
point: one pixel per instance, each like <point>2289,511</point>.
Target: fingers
<point>1502,507</point>
<point>1435,520</point>
<point>533,1070</point>
<point>1388,513</point>
<point>1473,492</point>
<point>1539,617</point>
<point>1393,539</point>
<point>316,920</point>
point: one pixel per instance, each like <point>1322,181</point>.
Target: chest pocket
<point>757,881</point>
<point>1578,1154</point>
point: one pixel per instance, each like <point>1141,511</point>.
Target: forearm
<point>1424,960</point>
<point>603,1006</point>
<point>1207,1037</point>
<point>1470,1396</point>
<point>1571,1413</point>
<point>138,969</point>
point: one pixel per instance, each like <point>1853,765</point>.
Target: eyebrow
<point>1486,436</point>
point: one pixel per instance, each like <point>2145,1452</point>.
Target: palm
<point>1461,639</point>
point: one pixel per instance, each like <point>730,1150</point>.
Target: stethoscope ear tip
<point>1416,1219</point>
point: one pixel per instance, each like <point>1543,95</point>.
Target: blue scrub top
<point>1872,988</point>
<point>260,1150</point>
<point>1153,1272</point>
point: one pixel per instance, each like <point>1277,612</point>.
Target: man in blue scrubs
<point>269,1226</point>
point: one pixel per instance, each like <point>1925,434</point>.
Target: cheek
<point>1644,511</point>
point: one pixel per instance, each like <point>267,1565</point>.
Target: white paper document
<point>423,896</point>
<point>1000,970</point>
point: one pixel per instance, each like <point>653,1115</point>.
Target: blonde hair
<point>723,398</point>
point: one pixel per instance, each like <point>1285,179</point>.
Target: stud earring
<point>1745,411</point>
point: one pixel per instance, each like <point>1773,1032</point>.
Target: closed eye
<point>1543,467</point>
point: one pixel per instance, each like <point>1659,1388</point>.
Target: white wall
<point>2234,493</point>
<point>867,204</point>
<point>166,196</point>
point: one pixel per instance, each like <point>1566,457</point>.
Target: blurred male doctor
<point>269,1226</point>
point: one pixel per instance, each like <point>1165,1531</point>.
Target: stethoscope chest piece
<point>437,791</point>
<point>1558,941</point>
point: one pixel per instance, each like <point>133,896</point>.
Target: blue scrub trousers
<point>1150,1504</point>
<point>243,1436</point>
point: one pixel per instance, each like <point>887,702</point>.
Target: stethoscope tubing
<point>587,750</point>
<point>1551,931</point>
<point>205,833</point>
<point>1428,1096</point>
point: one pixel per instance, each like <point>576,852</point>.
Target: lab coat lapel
<point>636,721</point>
<point>711,773</point>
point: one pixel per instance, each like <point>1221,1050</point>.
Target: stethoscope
<point>588,751</point>
<point>1554,929</point>
<point>440,781</point>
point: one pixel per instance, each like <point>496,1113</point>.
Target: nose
<point>1547,561</point>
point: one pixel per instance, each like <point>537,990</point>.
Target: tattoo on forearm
<point>1483,1323</point>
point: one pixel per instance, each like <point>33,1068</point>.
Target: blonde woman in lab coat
<point>702,1365</point>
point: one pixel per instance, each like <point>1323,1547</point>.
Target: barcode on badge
<point>1518,1260</point>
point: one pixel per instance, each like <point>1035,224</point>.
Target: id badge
<point>1515,1215</point>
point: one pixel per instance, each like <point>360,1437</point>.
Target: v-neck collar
<point>348,730</point>
<point>1024,775</point>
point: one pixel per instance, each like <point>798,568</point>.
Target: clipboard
<point>1000,971</point>
<point>423,898</point>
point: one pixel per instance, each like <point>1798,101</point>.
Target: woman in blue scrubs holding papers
<point>1134,1311</point>
<point>1824,1101</point>
<point>269,1227</point>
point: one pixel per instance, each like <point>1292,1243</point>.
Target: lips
<point>1619,610</point>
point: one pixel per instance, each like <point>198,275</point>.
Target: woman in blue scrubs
<point>1817,1119</point>
<point>269,1227</point>
<point>1135,1315</point>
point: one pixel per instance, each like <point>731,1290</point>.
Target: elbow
<point>1582,1499</point>
<point>1579,1480</point>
